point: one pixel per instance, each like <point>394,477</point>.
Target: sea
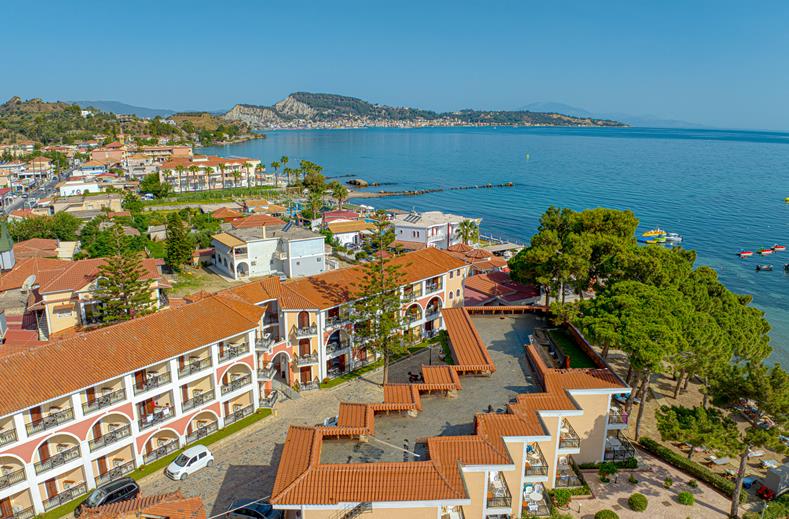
<point>722,190</point>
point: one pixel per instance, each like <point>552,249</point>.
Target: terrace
<point>402,438</point>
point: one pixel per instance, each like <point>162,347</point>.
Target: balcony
<point>306,360</point>
<point>617,418</point>
<point>537,508</point>
<point>115,473</point>
<point>194,366</point>
<point>50,421</point>
<point>499,498</point>
<point>337,320</point>
<point>161,452</point>
<point>238,414</point>
<point>535,462</point>
<point>265,344</point>
<point>432,287</point>
<point>100,402</point>
<point>566,478</point>
<point>153,381</point>
<point>12,478</point>
<point>568,438</point>
<point>109,438</point>
<point>335,347</point>
<point>306,331</point>
<point>65,496</point>
<point>618,448</point>
<point>197,400</point>
<point>411,296</point>
<point>432,313</point>
<point>25,513</point>
<point>270,320</point>
<point>57,460</point>
<point>267,373</point>
<point>231,352</point>
<point>236,384</point>
<point>149,420</point>
<point>7,437</point>
<point>202,432</point>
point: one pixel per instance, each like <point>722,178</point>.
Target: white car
<point>188,462</point>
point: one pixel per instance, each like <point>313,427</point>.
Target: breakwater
<point>417,192</point>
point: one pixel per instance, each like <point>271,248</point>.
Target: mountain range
<point>118,108</point>
<point>643,121</point>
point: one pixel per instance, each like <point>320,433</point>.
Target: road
<point>42,191</point>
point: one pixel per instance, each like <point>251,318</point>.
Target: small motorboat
<point>765,252</point>
<point>766,268</point>
<point>745,253</point>
<point>673,237</point>
<point>653,233</point>
<point>786,267</point>
<point>779,248</point>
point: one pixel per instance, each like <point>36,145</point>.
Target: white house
<point>259,251</point>
<point>350,233</point>
<point>429,229</point>
<point>78,187</point>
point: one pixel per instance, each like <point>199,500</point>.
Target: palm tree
<point>339,192</point>
<point>468,230</point>
<point>193,171</point>
<point>275,167</point>
<point>260,168</point>
<point>209,172</point>
<point>247,167</point>
<point>222,173</point>
<point>284,161</point>
<point>179,169</point>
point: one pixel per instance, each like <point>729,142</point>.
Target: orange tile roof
<point>340,286</point>
<point>352,226</point>
<point>227,239</point>
<point>43,268</point>
<point>204,161</point>
<point>225,212</point>
<point>257,291</point>
<point>59,368</point>
<point>78,274</point>
<point>169,506</point>
<point>467,346</point>
<point>256,220</point>
<point>409,245</point>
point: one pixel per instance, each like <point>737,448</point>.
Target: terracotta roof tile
<point>169,506</point>
<point>43,268</point>
<point>353,226</point>
<point>256,220</point>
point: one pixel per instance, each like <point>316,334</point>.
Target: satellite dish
<point>29,282</point>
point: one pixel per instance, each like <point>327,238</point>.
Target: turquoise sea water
<point>722,190</point>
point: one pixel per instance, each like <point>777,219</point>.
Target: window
<point>451,274</point>
<point>458,292</point>
<point>319,259</point>
<point>450,295</point>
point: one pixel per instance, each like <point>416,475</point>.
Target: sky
<point>719,63</point>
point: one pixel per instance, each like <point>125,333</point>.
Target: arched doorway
<point>304,319</point>
<point>281,365</point>
<point>338,353</point>
<point>432,317</point>
<point>242,269</point>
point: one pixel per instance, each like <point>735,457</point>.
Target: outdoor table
<point>535,496</point>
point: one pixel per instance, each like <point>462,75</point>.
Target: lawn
<point>578,358</point>
<point>219,195</point>
<point>160,464</point>
<point>192,280</point>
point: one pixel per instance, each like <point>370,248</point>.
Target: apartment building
<point>85,410</point>
<point>206,172</point>
<point>488,445</point>
<point>269,249</point>
<point>146,160</point>
<point>429,229</point>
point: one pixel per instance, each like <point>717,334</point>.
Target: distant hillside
<point>643,121</point>
<point>304,109</point>
<point>116,107</point>
<point>560,108</point>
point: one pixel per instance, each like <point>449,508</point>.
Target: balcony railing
<point>306,360</point>
<point>615,416</point>
<point>56,460</point>
<point>618,448</point>
<point>568,478</point>
<point>334,347</point>
<point>503,500</point>
<point>194,366</point>
<point>102,401</point>
<point>236,384</point>
<point>65,496</point>
<point>433,287</point>
<point>541,508</point>
<point>25,513</point>
<point>198,400</point>
<point>265,344</point>
<point>109,438</point>
<point>268,320</point>
<point>268,401</point>
<point>50,421</point>
<point>411,296</point>
<point>337,320</point>
<point>151,382</point>
<point>161,451</point>
<point>231,352</point>
<point>7,437</point>
<point>568,438</point>
<point>239,414</point>
<point>149,420</point>
<point>267,373</point>
<point>535,462</point>
<point>12,478</point>
<point>202,432</point>
<point>306,331</point>
<point>432,313</point>
<point>115,473</point>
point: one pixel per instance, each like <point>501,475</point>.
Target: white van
<point>188,462</point>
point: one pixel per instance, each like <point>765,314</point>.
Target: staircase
<point>42,327</point>
<point>285,389</point>
<point>353,511</point>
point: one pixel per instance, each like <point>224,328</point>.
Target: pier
<point>417,192</point>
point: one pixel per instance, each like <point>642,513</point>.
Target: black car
<point>252,509</point>
<point>119,490</point>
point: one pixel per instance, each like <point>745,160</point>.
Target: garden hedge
<point>606,514</point>
<point>637,502</point>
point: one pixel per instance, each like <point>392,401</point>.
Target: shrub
<point>693,483</point>
<point>632,479</point>
<point>606,514</point>
<point>561,497</point>
<point>607,469</point>
<point>694,469</point>
<point>668,482</point>
<point>637,502</point>
<point>686,498</point>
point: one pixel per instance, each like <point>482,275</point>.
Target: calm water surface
<point>722,190</point>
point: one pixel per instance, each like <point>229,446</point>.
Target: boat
<point>766,268</point>
<point>651,242</point>
<point>657,231</point>
<point>765,251</point>
<point>779,248</point>
<point>786,267</point>
<point>745,253</point>
<point>673,237</point>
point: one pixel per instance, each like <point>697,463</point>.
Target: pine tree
<point>178,250</point>
<point>380,299</point>
<point>122,292</point>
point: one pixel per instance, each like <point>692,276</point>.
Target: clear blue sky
<point>722,63</point>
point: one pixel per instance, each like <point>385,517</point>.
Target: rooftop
<point>429,218</point>
<point>441,416</point>
<point>289,232</point>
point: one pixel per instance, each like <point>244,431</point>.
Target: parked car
<point>113,492</point>
<point>331,421</point>
<point>252,508</point>
<point>188,462</point>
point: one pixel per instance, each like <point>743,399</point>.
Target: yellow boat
<point>654,232</point>
<point>786,199</point>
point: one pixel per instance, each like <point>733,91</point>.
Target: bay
<point>723,190</point>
